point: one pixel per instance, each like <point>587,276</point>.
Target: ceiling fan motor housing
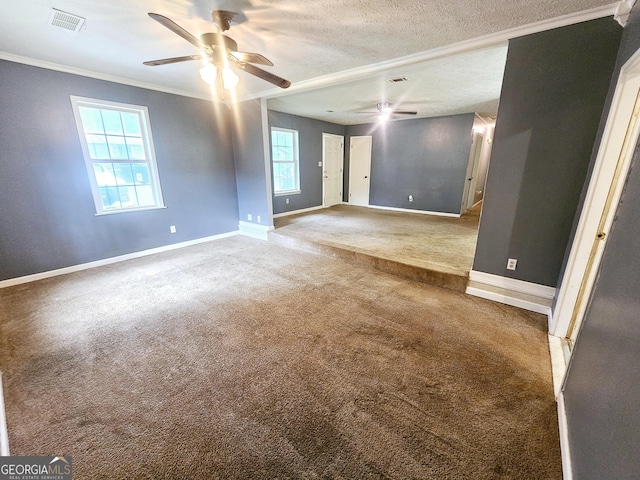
<point>219,45</point>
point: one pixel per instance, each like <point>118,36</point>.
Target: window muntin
<point>285,161</point>
<point>118,149</point>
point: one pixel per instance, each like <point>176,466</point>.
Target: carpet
<point>240,359</point>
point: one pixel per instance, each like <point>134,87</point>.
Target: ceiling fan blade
<point>175,28</point>
<point>400,112</point>
<point>165,61</point>
<point>247,57</point>
<point>269,77</point>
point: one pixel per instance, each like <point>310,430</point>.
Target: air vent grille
<point>398,79</point>
<point>66,20</point>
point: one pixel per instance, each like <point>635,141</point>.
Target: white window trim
<point>283,193</point>
<point>294,191</point>
<point>154,176</point>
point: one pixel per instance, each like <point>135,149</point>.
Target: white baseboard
<point>530,296</point>
<point>295,212</point>
<point>4,434</point>
<point>565,451</point>
<point>108,261</point>
<point>408,210</point>
<point>254,230</point>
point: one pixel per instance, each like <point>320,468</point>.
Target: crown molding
<point>98,76</point>
<point>623,10</point>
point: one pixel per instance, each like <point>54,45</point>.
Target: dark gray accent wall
<point>251,169</point>
<point>46,206</point>
<point>602,387</point>
<point>554,89</point>
<point>426,158</point>
<point>310,150</point>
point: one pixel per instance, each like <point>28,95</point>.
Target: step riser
<point>450,281</point>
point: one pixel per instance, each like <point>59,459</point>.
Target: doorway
<point>471,180</point>
<point>360,170</point>
<point>603,195</point>
<point>332,165</point>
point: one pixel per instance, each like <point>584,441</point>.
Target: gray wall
<point>425,157</point>
<point>310,145</point>
<point>554,90</point>
<point>602,388</point>
<point>46,206</point>
<point>251,169</point>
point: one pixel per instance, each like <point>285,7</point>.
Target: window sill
<point>127,210</point>
<point>288,192</point>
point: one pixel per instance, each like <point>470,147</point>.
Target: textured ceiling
<point>463,83</point>
<point>305,40</point>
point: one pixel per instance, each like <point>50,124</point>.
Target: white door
<point>472,172</point>
<point>613,161</point>
<point>359,170</point>
<point>332,160</point>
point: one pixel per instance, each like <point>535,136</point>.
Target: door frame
<point>351,180</point>
<point>341,137</point>
<point>599,208</point>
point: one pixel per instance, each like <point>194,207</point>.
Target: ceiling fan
<point>220,52</point>
<point>385,111</point>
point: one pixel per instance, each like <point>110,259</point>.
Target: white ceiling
<point>339,54</point>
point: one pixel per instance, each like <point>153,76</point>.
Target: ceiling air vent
<point>65,20</point>
<point>398,79</point>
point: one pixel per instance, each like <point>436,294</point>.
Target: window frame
<point>296,162</point>
<point>147,139</point>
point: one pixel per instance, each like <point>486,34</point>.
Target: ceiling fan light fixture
<point>385,108</point>
<point>209,73</point>
<point>229,79</point>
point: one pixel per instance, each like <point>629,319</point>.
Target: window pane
<point>91,120</point>
<point>110,198</point>
<point>131,123</point>
<point>112,122</point>
<point>117,148</point>
<point>135,148</point>
<point>123,173</point>
<point>128,197</point>
<point>145,195</point>
<point>140,173</point>
<point>104,174</point>
<point>97,146</point>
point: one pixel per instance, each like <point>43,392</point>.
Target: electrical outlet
<point>320,164</point>
<point>249,217</point>
<point>411,198</point>
<point>258,219</point>
<point>286,200</point>
<point>172,229</point>
<point>511,264</point>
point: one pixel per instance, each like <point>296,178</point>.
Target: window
<point>119,155</point>
<point>284,156</point>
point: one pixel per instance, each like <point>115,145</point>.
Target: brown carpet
<point>240,359</point>
<point>428,248</point>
